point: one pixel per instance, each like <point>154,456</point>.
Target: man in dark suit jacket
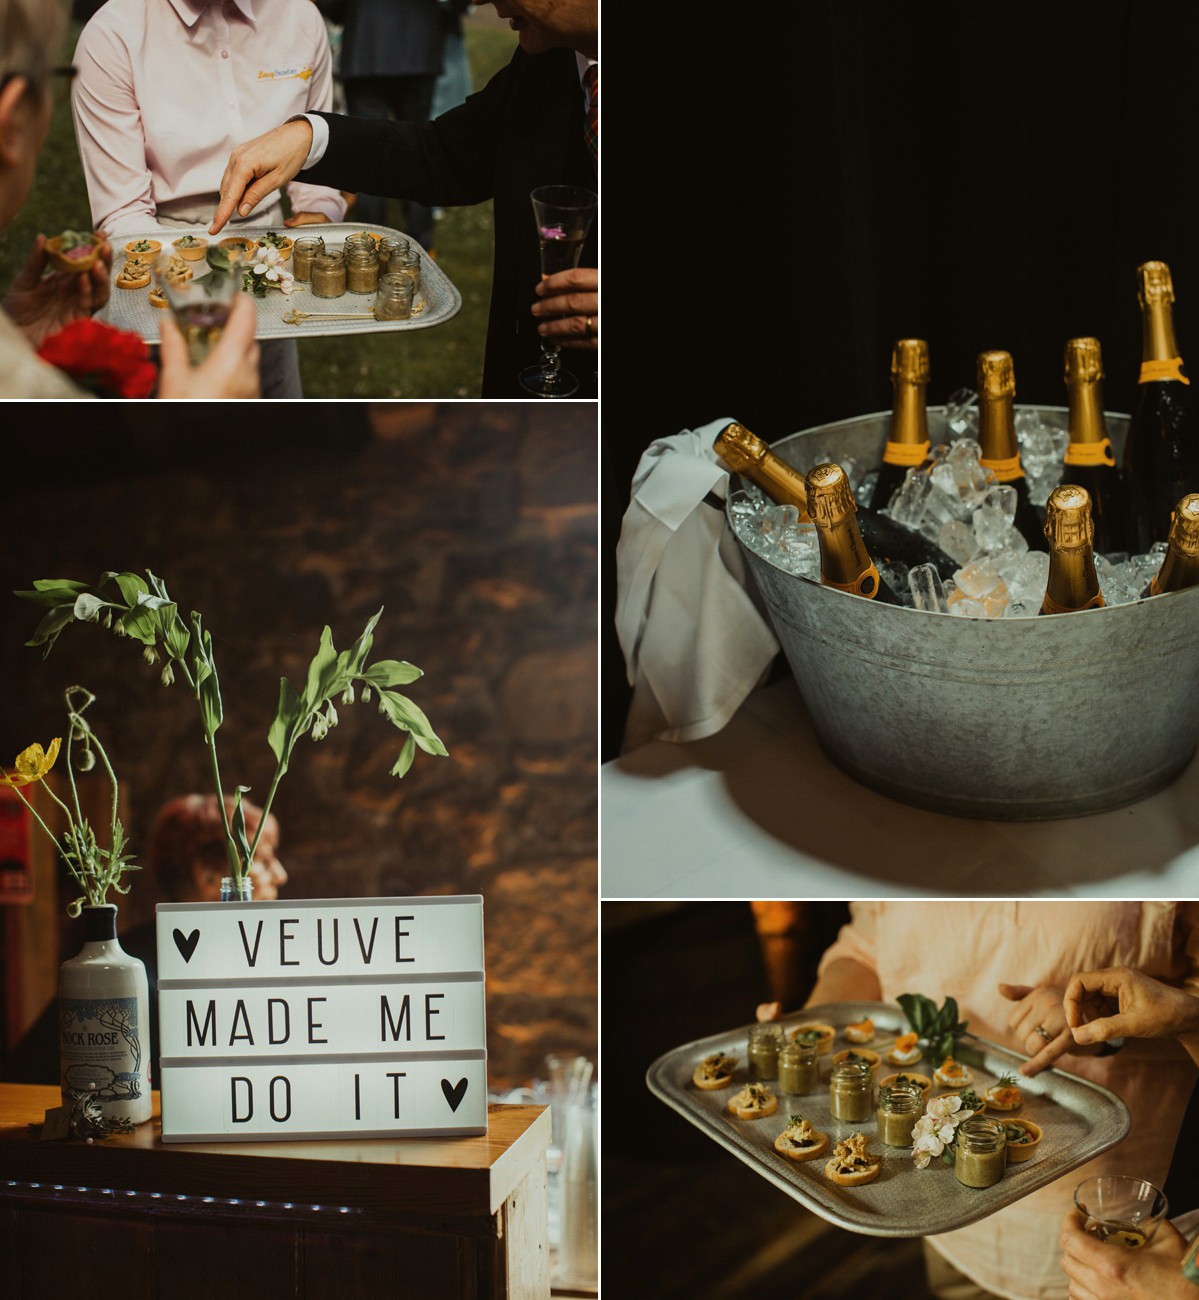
<point>390,61</point>
<point>535,123</point>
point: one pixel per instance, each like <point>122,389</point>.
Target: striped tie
<point>591,126</point>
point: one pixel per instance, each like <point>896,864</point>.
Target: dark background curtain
<point>853,172</point>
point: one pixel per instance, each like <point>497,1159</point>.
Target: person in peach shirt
<point>1008,965</point>
<point>166,88</point>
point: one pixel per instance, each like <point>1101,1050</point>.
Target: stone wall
<point>475,527</point>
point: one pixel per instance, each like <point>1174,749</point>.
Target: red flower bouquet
<point>107,361</point>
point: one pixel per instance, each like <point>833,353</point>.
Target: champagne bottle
<point>748,455</point>
<point>1161,455</point>
<point>844,561</point>
<point>1180,568</point>
<point>997,437</point>
<point>907,438</point>
<point>1089,460</point>
<point>1072,583</point>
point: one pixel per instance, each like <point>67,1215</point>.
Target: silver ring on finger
<point>1045,1034</point>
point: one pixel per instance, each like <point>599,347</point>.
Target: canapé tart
<point>814,1031</point>
<point>862,1032</point>
<point>281,242</point>
<point>714,1072</point>
<point>907,1076</point>
<point>1023,1139</point>
<point>853,1164</point>
<point>904,1050</point>
<point>971,1101</point>
<point>754,1101</point>
<point>800,1141</point>
<point>147,248</point>
<point>74,251</point>
<point>952,1074</point>
<point>191,247</point>
<point>859,1054</point>
<point>133,276</point>
<point>243,242</point>
<point>1004,1095</point>
<point>158,297</point>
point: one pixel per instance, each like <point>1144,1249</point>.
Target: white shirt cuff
<point>320,138</point>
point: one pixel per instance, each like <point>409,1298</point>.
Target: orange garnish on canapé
<point>905,1042</point>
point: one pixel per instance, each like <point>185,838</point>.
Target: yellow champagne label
<point>865,584</point>
<point>1049,606</point>
<point>1154,589</point>
<point>906,453</point>
<point>1005,470</point>
<point>1153,370</point>
<point>1090,453</point>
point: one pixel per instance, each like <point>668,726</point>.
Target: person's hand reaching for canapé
<point>230,369</point>
<point>1038,1025</point>
<point>41,305</point>
<point>307,219</point>
<point>260,167</point>
<point>1123,1003</point>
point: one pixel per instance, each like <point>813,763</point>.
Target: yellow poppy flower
<point>32,764</point>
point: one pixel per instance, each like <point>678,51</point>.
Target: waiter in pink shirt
<point>167,88</point>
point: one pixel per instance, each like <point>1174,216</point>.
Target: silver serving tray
<point>1079,1118</point>
<point>437,298</point>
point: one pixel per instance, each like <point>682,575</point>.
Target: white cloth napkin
<point>695,643</point>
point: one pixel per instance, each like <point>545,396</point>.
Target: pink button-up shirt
<point>167,88</point>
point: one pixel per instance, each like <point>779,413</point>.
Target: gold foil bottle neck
<point>739,448</point>
<point>1084,361</point>
<point>1154,283</point>
<point>996,375</point>
<point>830,498</point>
<point>1184,528</point>
<point>909,361</point>
<point>1068,523</point>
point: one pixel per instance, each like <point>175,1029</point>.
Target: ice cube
<point>997,601</point>
<point>1159,549</point>
<point>780,518</point>
<point>1002,497</point>
<point>978,578</point>
<point>908,504</point>
<point>927,592</point>
<point>865,489</point>
<point>990,528</point>
<point>961,410</point>
<point>1022,609</point>
<point>1116,557</point>
<point>967,608</point>
<point>957,541</point>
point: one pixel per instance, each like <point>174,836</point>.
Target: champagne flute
<point>564,214</point>
<point>201,304</point>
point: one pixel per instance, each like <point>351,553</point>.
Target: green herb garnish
<point>275,241</point>
<point>186,241</point>
<point>76,239</point>
<point>938,1027</point>
<point>142,246</point>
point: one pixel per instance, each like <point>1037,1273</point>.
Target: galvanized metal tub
<point>1014,719</point>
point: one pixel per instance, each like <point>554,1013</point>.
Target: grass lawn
<point>446,361</point>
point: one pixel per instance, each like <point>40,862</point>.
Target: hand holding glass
<point>564,214</point>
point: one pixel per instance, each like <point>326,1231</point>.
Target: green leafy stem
<point>938,1027</point>
<point>142,610</point>
<point>96,870</point>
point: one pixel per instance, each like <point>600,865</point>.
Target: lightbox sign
<point>322,1018</point>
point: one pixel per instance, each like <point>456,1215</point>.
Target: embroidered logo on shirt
<point>285,74</point>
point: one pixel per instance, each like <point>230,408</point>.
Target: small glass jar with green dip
<point>763,1051</point>
<point>799,1068</point>
<point>851,1092</point>
<point>980,1152</point>
<point>899,1108</point>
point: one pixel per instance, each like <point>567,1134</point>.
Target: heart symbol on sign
<point>186,943</point>
<point>454,1092</point>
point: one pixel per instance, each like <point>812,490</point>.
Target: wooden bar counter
<point>426,1218</point>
